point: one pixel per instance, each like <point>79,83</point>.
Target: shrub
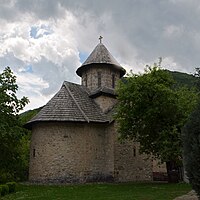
<point>5,177</point>
<point>0,190</point>
<point>4,190</point>
<point>12,186</point>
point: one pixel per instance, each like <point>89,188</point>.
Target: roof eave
<point>82,68</point>
<point>99,93</point>
<point>29,125</point>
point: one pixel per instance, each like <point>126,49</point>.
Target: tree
<point>11,132</point>
<point>152,111</point>
<point>191,149</point>
<point>191,145</point>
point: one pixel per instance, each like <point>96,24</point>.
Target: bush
<point>191,147</point>
<point>4,190</point>
<point>12,186</point>
<point>5,177</point>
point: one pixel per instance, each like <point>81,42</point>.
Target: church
<point>74,136</point>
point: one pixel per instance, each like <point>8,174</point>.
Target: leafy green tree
<point>152,111</point>
<point>191,144</point>
<point>11,131</point>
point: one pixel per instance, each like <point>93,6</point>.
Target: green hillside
<point>183,79</point>
<point>28,115</point>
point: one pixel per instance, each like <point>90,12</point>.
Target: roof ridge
<point>82,112</point>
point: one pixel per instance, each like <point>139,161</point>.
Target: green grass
<point>128,191</point>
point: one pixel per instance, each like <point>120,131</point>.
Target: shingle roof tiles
<point>101,55</point>
<point>86,104</point>
<point>71,103</point>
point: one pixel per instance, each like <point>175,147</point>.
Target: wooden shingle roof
<point>101,55</point>
<point>73,104</point>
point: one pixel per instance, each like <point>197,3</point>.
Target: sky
<point>45,41</point>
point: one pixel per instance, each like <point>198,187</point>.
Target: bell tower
<point>99,73</point>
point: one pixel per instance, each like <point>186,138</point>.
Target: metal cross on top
<point>100,38</point>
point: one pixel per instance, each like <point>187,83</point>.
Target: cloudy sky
<point>45,41</point>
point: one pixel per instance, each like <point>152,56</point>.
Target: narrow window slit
<point>134,152</point>
<point>99,79</point>
<point>113,80</point>
<point>33,153</point>
<point>86,80</point>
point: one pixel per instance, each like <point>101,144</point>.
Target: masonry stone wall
<point>159,171</point>
<point>159,167</point>
<point>71,152</point>
<point>90,76</point>
<point>130,167</point>
<point>79,152</point>
<point>106,103</point>
<point>129,164</point>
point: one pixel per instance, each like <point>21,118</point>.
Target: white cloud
<point>31,86</point>
<point>52,54</point>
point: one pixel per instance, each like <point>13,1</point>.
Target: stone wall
<point>90,76</point>
<point>159,171</point>
<point>105,103</point>
<point>129,164</point>
<point>159,167</point>
<point>80,152</point>
<point>71,152</point>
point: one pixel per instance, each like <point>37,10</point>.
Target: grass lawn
<point>123,191</point>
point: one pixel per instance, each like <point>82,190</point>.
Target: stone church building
<point>74,137</point>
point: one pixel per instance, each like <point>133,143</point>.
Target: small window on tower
<point>113,80</point>
<point>99,79</point>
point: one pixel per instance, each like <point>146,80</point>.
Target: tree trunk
<point>174,172</point>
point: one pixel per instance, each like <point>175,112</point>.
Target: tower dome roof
<point>101,55</point>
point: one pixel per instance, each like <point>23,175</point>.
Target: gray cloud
<point>11,61</point>
<point>135,31</point>
<point>141,23</point>
<point>42,9</point>
<point>54,75</point>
